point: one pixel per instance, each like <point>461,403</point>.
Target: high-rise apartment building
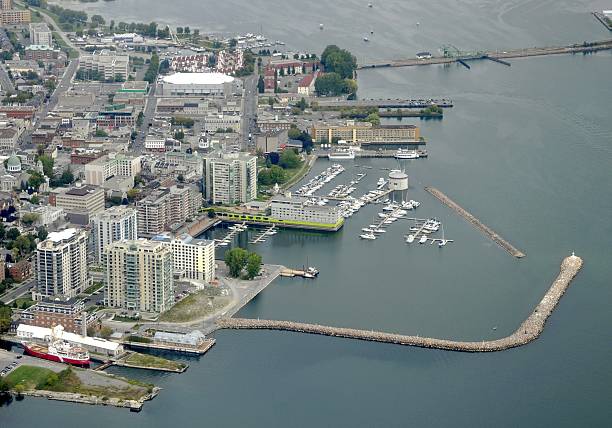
<point>230,178</point>
<point>114,224</point>
<point>165,207</point>
<point>191,258</point>
<point>40,34</point>
<point>61,264</point>
<point>139,276</point>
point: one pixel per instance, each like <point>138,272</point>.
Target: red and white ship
<point>60,351</point>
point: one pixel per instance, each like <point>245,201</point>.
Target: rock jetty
<point>528,331</point>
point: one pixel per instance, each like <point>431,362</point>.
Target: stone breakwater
<point>470,218</point>
<point>528,331</point>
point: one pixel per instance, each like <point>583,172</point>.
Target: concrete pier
<point>470,218</point>
<point>585,47</point>
<point>527,332</point>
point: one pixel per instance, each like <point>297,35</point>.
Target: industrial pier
<point>527,332</point>
<point>586,47</point>
<point>470,218</point>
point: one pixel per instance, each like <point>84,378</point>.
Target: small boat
<point>410,239</point>
<point>321,26</point>
<point>378,230</point>
<point>370,5</point>
<point>367,230</point>
<point>312,271</point>
<point>365,39</point>
<point>381,215</point>
<point>423,239</point>
<point>369,236</point>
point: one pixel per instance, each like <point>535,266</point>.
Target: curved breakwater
<point>528,331</point>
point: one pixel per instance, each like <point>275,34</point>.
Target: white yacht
<point>367,230</point>
<point>410,239</point>
<point>423,239</point>
<point>369,236</point>
<point>406,154</point>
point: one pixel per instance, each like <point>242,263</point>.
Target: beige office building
<point>82,199</point>
<point>364,132</point>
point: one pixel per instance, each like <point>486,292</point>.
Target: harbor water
<point>527,149</point>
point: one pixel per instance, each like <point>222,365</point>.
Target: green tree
<point>341,61</point>
<point>12,233</point>
<point>41,233</point>
<point>140,119</point>
<point>294,133</point>
<point>289,159</point>
<point>106,332</point>
<point>36,179</point>
<point>261,85</point>
<point>253,265</point>
<point>332,84</point>
<point>236,260</point>
<point>47,163</point>
<point>5,318</point>
<point>28,219</point>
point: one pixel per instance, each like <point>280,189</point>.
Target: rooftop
<point>198,79</point>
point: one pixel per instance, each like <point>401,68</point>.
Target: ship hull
<point>45,356</point>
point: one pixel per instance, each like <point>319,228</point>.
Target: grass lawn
<point>95,287</point>
<point>145,360</point>
<point>195,306</point>
<point>21,300</point>
<point>31,377</point>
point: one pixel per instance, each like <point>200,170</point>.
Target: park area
<point>197,306</point>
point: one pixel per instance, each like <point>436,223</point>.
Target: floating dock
<point>470,218</point>
<point>527,332</point>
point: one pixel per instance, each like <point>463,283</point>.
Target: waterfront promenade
<point>527,332</point>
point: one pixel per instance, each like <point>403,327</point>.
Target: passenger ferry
<point>406,154</point>
<point>342,155</point>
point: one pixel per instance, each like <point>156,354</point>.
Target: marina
<point>234,230</point>
<point>263,235</point>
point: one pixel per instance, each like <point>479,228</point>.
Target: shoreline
<point>528,331</point>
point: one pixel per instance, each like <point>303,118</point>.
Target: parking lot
<point>9,361</point>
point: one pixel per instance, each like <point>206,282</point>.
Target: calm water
<point>527,149</point>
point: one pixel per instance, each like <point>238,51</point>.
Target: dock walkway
<point>527,332</point>
<point>470,218</point>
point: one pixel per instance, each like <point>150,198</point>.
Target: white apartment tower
<point>114,224</point>
<point>61,264</point>
<point>191,258</point>
<point>139,276</point>
<point>230,178</point>
<point>40,34</point>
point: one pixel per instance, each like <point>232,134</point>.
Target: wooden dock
<point>200,350</point>
<point>527,332</point>
<point>586,47</point>
<point>479,225</point>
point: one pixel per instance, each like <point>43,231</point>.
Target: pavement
<point>18,291</point>
<point>249,109</point>
<point>242,292</point>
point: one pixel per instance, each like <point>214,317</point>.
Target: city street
<point>19,291</point>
